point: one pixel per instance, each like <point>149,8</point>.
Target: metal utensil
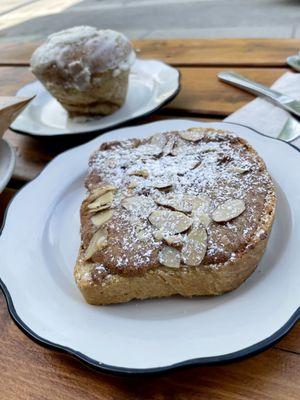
<point>294,62</point>
<point>281,100</point>
<point>290,130</point>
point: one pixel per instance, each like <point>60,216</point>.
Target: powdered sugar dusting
<point>219,166</point>
<point>77,53</point>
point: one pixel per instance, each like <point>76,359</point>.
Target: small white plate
<point>39,245</point>
<point>151,85</point>
<point>7,163</point>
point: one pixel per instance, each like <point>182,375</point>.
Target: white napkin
<point>265,117</point>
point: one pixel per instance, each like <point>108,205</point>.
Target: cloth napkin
<point>263,116</point>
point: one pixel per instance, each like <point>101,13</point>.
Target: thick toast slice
<point>185,212</point>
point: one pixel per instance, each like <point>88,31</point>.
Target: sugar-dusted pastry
<point>186,212</point>
<point>85,69</point>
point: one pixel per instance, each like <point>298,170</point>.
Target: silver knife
<point>281,100</point>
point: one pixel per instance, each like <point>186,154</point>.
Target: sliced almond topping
<point>239,170</point>
<point>200,211</point>
<point>102,217</point>
<point>232,208</point>
<point>141,205</point>
<point>134,220</point>
<point>188,165</point>
<point>102,202</point>
<point>98,242</point>
<point>170,222</point>
<point>158,235</point>
<point>162,184</point>
<point>150,149</point>
<point>142,236</point>
<point>102,242</point>
<point>202,219</point>
<point>100,191</point>
<point>201,202</point>
<point>139,172</point>
<point>132,185</point>
<point>169,146</point>
<point>158,140</point>
<point>173,240</point>
<point>176,201</point>
<point>192,134</point>
<point>209,149</point>
<point>195,246</point>
<point>177,148</point>
<point>169,257</point>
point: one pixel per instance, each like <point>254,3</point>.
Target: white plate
<point>151,85</point>
<point>7,163</point>
<point>38,248</point>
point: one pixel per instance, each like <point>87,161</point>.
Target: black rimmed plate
<point>151,85</point>
<point>38,248</point>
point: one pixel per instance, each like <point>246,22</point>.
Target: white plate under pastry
<point>42,222</point>
<point>151,85</point>
<point>7,163</point>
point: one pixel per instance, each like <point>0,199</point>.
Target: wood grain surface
<point>193,52</point>
<point>29,371</point>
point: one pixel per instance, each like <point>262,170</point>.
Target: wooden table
<point>29,371</point>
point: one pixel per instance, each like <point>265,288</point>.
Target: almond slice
<point>192,134</point>
<point>188,165</point>
<point>150,149</point>
<point>141,205</point>
<point>232,208</point>
<point>102,217</point>
<point>202,219</point>
<point>139,172</point>
<point>98,242</point>
<point>239,170</point>
<point>209,149</point>
<point>102,202</point>
<point>142,236</point>
<point>178,202</point>
<point>178,148</point>
<point>169,257</point>
<point>201,202</point>
<point>169,146</point>
<point>200,211</point>
<point>170,222</point>
<point>158,140</point>
<point>194,248</point>
<point>158,235</point>
<point>132,185</point>
<point>163,184</point>
<point>100,191</point>
<point>174,240</point>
